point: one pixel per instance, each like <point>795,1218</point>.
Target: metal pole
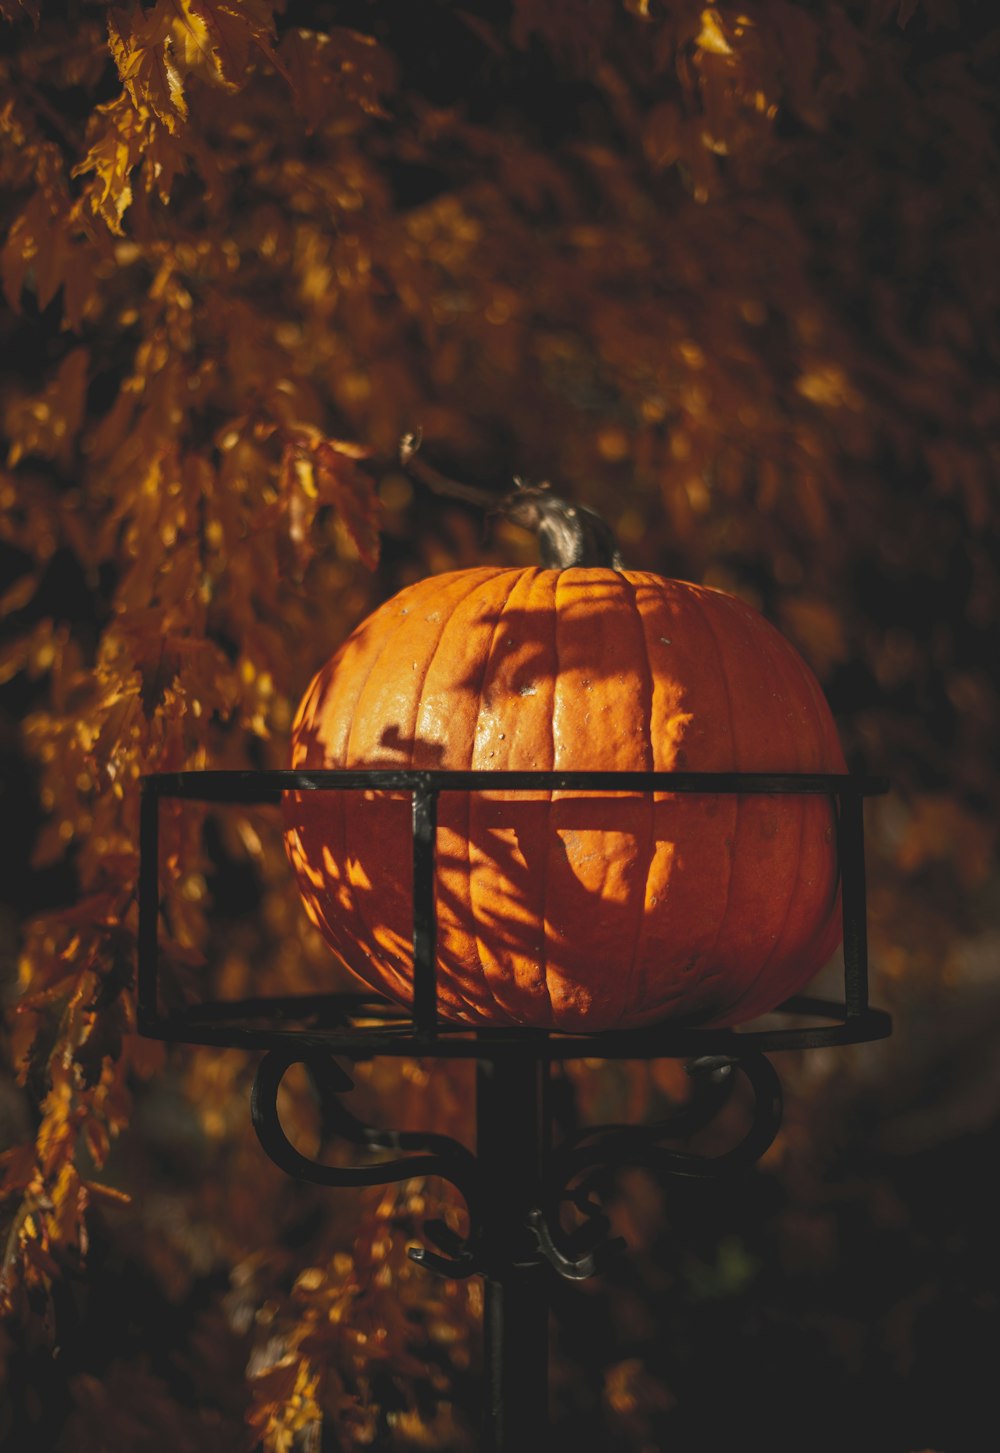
<point>424,918</point>
<point>851,849</point>
<point>512,1127</point>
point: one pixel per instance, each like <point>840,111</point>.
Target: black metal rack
<point>516,1182</point>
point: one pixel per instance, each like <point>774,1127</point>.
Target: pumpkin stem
<point>568,534</point>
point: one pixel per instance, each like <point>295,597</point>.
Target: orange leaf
<point>222,33</point>
<point>113,154</point>
<point>712,37</point>
<point>339,483</point>
<point>319,471</point>
<point>19,594</point>
<point>143,53</point>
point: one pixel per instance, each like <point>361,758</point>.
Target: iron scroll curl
<point>572,1173</point>
<point>434,1155</point>
<point>594,1153</point>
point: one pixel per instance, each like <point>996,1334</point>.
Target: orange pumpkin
<point>573,910</point>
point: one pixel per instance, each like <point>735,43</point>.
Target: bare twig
<point>437,482</point>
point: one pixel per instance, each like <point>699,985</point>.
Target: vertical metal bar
<point>147,1007</point>
<point>510,1104</point>
<point>424,917</point>
<point>851,851</point>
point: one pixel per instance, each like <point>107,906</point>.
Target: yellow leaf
<point>219,35</point>
<point>712,37</point>
<point>319,471</point>
<point>42,250</point>
<point>143,53</point>
<point>112,156</point>
<point>827,384</point>
<point>19,594</point>
<point>13,658</point>
<point>163,159</point>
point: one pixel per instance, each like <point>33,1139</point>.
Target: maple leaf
<point>320,471</point>
<point>712,36</point>
<point>219,36</point>
<point>43,248</point>
<point>163,159</point>
<point>112,157</point>
<point>142,47</point>
<point>17,596</point>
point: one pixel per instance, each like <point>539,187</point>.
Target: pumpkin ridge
<point>647,737</point>
<point>361,926</point>
<point>448,620</point>
<point>764,643</point>
<point>471,798</point>
<point>553,615</point>
<point>542,576</point>
<point>380,652</point>
<point>705,615</point>
<point>365,931</point>
<point>472,1005</point>
<point>483,975</point>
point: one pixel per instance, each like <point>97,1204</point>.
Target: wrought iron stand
<point>517,1181</point>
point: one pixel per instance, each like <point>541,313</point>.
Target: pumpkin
<point>573,910</point>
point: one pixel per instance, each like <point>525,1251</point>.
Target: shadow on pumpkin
<point>572,910</point>
<point>575,911</point>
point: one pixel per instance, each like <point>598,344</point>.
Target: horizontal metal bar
<point>664,1041</point>
<point>250,787</point>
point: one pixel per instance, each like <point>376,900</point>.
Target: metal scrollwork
<point>580,1172</point>
<point>585,1165</point>
<point>434,1155</point>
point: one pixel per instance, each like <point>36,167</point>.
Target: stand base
<point>515,1187</point>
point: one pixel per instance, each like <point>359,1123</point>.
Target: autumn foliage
<point>726,273</point>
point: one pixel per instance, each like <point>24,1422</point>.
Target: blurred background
<point>724,273</point>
